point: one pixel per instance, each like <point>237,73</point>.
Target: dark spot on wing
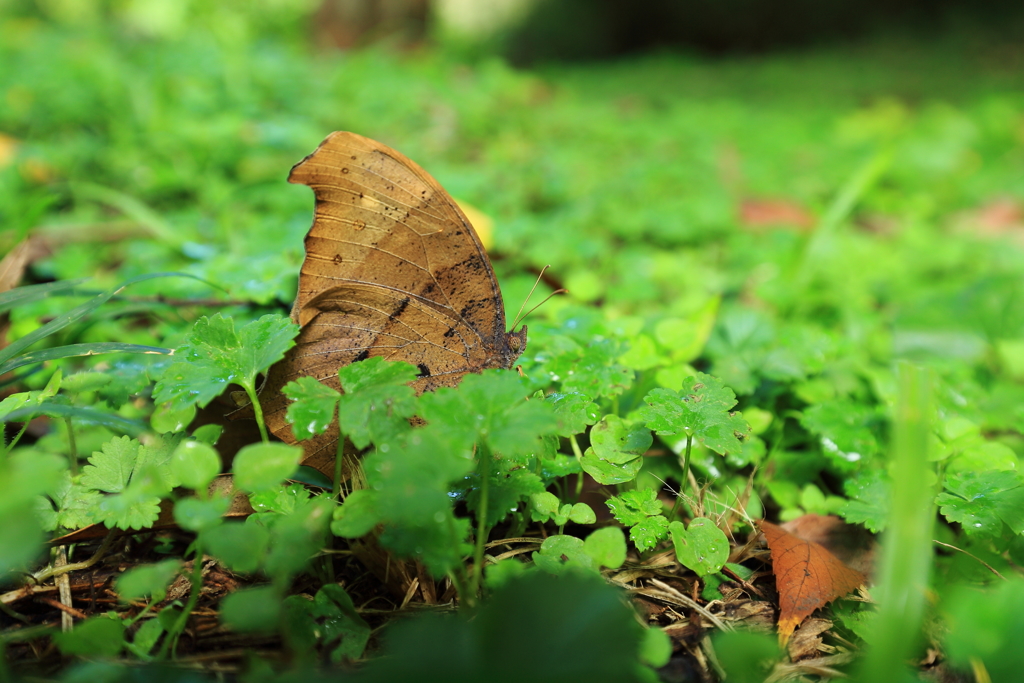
<point>401,308</point>
<point>472,306</point>
<point>363,355</point>
<point>424,370</point>
<point>450,332</point>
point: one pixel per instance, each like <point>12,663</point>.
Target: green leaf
<point>194,514</point>
<point>283,501</point>
<point>607,546</point>
<point>438,542</point>
<point>648,533</point>
<point>264,342</point>
<point>195,464</point>
<point>500,574</point>
<point>870,496</point>
<point>377,401</point>
<point>971,498</point>
<point>574,412</point>
<point>987,455</point>
<point>264,466</point>
<point>616,450</point>
<point>75,505</point>
<point>357,516</point>
<point>656,648</point>
<point>145,638</point>
<point>700,409</point>
<point>375,373</point>
<point>608,473</point>
<point>110,469</point>
<point>252,610</point>
<point>986,628</point>
<point>240,546</point>
<point>844,428</point>
<point>634,506</point>
<point>702,546</point>
<point>149,580</point>
<point>581,513</point>
<point>559,554</point>
<point>592,369</point>
<point>296,538</point>
<point>492,408</point>
<point>535,613</point>
<point>747,657</point>
<point>331,619</point>
<point>171,419</point>
<point>20,535</point>
<point>544,505</point>
<point>213,355</point>
<point>135,508</point>
<point>619,441</point>
<point>313,409</point>
<point>509,486</point>
<point>95,637</point>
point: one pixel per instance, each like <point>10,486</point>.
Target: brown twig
<point>70,611</point>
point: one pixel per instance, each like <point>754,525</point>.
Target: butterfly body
<point>394,269</point>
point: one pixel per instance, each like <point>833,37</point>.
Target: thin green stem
<point>484,469</point>
<point>72,447</point>
<point>51,571</point>
<point>257,411</point>
<point>686,461</point>
<point>196,579</point>
<point>675,506</point>
<point>17,437</point>
<point>576,451</point>
<point>339,459</point>
<point>458,580</point>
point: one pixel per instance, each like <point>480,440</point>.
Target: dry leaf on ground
<point>807,577</point>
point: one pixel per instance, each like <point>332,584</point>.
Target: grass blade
<point>30,293</point>
<point>73,350</point>
<point>79,413</point>
<point>62,321</point>
<point>906,558</point>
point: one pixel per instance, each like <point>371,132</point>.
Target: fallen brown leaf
<point>764,213</point>
<point>807,577</point>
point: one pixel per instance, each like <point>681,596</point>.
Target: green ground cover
<point>828,242</point>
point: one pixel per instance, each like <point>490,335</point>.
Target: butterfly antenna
<point>520,316</point>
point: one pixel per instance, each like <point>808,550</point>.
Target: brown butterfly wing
<point>394,269</point>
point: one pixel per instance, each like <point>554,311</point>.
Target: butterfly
<point>394,269</point>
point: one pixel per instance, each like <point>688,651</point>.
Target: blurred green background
<point>789,219</point>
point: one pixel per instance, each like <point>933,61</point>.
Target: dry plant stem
<point>688,602</point>
<point>64,586</point>
<point>712,657</point>
<point>51,572</point>
<point>961,550</point>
